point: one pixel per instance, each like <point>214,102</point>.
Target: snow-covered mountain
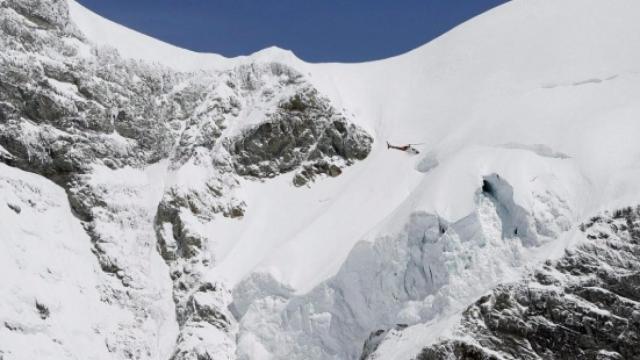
<point>166,204</point>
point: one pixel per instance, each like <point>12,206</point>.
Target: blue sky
<point>315,30</point>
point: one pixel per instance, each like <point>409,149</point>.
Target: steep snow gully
<point>157,203</point>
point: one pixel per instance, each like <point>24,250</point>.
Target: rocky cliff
<point>91,121</point>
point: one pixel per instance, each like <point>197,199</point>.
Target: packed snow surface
<point>529,119</point>
<point>51,304</point>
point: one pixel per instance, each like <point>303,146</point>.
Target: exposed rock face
<point>304,131</point>
<point>585,305</point>
<point>99,125</point>
<point>374,340</point>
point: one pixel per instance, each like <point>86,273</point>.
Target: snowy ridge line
<point>135,45</point>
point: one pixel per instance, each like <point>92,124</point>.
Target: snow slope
<point>48,273</point>
<point>495,99</point>
<point>562,74</point>
<point>48,264</point>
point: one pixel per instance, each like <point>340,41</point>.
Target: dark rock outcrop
<point>375,338</point>
<point>304,131</point>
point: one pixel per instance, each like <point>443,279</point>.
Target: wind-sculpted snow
<point>428,162</point>
<point>539,149</point>
<point>430,268</point>
<point>515,220</point>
